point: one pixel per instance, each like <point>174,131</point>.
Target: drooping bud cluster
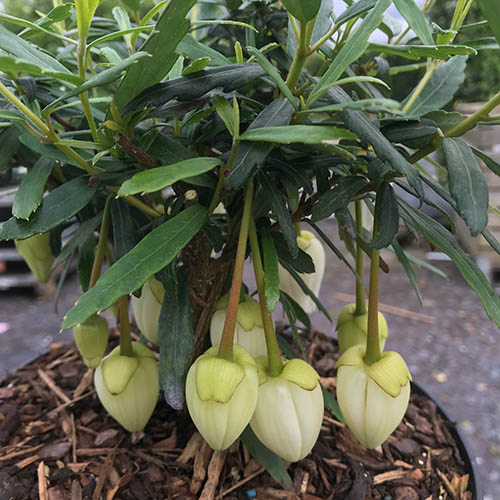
<point>249,330</point>
<point>373,398</point>
<point>147,308</point>
<point>128,386</point>
<point>38,255</point>
<point>352,329</point>
<point>311,245</point>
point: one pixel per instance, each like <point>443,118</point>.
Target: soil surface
<point>451,347</point>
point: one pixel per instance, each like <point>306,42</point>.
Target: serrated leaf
<point>271,273</point>
<point>161,44</point>
<point>279,112</point>
<point>365,129</point>
<point>351,51</point>
<point>270,461</point>
<point>187,88</point>
<point>303,10</point>
<point>443,240</point>
<point>415,19</point>
<point>159,178</point>
<point>175,338</point>
<point>467,184</point>
<point>338,197</point>
<point>489,9</point>
<point>30,193</point>
<point>282,213</point>
<point>441,88</point>
<point>289,134</point>
<point>387,215</point>
<point>152,254</point>
<point>57,207</point>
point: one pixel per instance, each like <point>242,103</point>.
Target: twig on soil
<point>240,483</point>
<point>53,386</point>
<point>396,311</point>
<point>42,482</point>
<point>214,472</point>
<point>69,403</point>
<point>447,485</point>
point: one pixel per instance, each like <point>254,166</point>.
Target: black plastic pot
<point>462,444</point>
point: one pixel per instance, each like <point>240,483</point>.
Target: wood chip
<point>336,464</point>
<point>201,461</point>
<point>191,448</point>
<point>449,488</point>
<point>239,484</point>
<point>389,476</point>
<point>213,473</point>
<point>103,474</point>
<point>27,461</point>
<point>53,386</point>
<point>42,472</point>
<point>85,382</point>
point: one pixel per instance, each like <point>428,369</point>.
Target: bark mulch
<point>57,443</point>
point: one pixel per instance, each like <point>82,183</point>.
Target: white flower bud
<point>373,398</point>
<point>289,410</point>
<point>221,395</point>
<point>249,329</point>
<point>352,329</point>
<point>38,255</point>
<point>147,308</point>
<point>128,386</point>
<point>311,245</point>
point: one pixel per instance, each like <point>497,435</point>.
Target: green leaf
<point>225,111</point>
<point>190,87</point>
<point>412,133</point>
<point>338,197</point>
<point>79,239</point>
<point>493,165</point>
<point>158,178</point>
<point>271,275</point>
<point>118,34</point>
<point>489,9</point>
<point>303,263</point>
<point>387,214</point>
<point>445,120</point>
<point>274,74</point>
<point>169,150</point>
<point>467,184</point>
<point>27,57</point>
<point>271,462</point>
<point>405,262</point>
<point>303,10</point>
<point>366,130</point>
<point>443,240</point>
<point>355,10</point>
<point>101,79</point>
<point>196,65</point>
<point>175,337</point>
<point>9,146</point>
<point>152,254</point>
<point>331,405</point>
<point>192,49</point>
<point>57,207</point>
<point>415,19</point>
<point>289,134</point>
<point>279,112</point>
<point>441,88</point>
<point>125,235</point>
<point>362,104</point>
<point>416,52</point>
<point>282,213</point>
<point>351,51</point>
<point>161,44</point>
<point>85,10</point>
<point>30,193</point>
<point>292,311</point>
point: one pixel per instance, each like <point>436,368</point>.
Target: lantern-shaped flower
<point>311,245</point>
<point>352,329</point>
<point>373,398</point>
<point>289,410</point>
<point>38,255</point>
<point>91,339</point>
<point>147,308</point>
<point>221,395</point>
<point>128,386</point>
<point>249,330</point>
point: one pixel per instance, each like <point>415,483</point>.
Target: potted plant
<point>197,134</point>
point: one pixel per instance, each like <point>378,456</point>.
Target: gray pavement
<point>457,359</point>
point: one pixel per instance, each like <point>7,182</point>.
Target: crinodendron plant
<point>198,134</point>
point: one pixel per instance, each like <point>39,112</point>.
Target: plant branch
<point>227,340</point>
<point>300,56</point>
<point>360,289</point>
<point>125,339</point>
<point>275,366</point>
<point>84,96</point>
